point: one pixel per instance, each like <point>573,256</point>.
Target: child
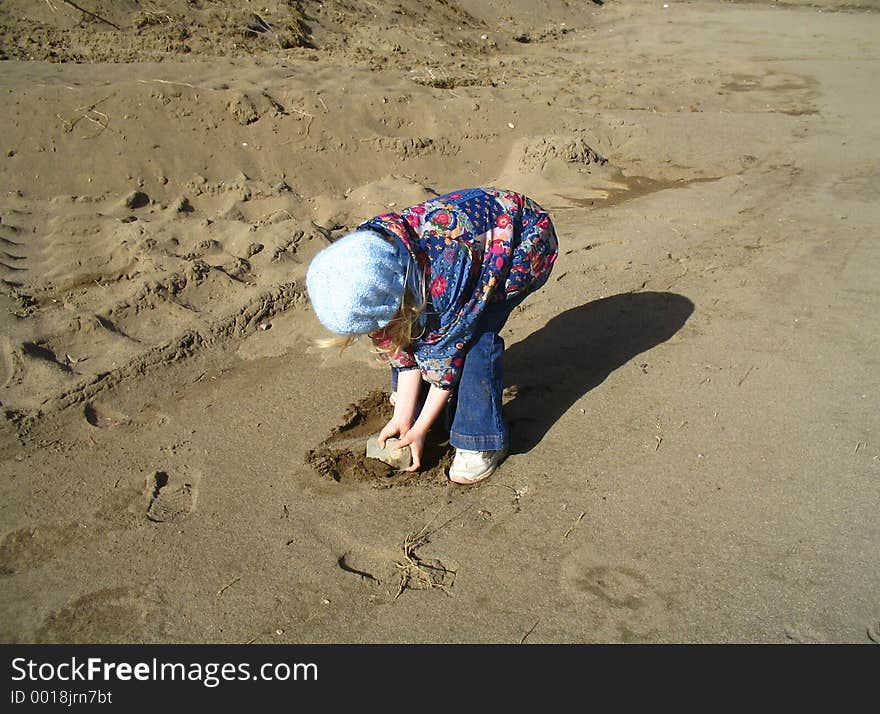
<point>432,286</point>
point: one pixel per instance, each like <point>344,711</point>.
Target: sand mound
<point>100,285</point>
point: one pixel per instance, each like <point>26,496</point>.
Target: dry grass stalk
<point>228,585</point>
<point>308,126</point>
<point>571,528</point>
<point>531,630</point>
<point>85,112</point>
<point>418,574</point>
<point>165,81</point>
<point>743,379</point>
<point>91,14</point>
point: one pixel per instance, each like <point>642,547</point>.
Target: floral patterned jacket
<point>475,246</point>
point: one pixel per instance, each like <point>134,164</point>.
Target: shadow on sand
<point>575,351</point>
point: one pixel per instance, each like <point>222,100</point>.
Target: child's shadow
<point>575,351</point>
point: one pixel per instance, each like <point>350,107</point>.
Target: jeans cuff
<point>491,442</point>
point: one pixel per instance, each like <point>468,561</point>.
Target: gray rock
<point>398,458</point>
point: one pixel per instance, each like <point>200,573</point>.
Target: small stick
<point>95,121</point>
<point>308,126</point>
<point>165,81</point>
<point>91,14</point>
<point>228,585</point>
<point>568,533</point>
<point>743,379</point>
<point>529,632</point>
<point>84,114</point>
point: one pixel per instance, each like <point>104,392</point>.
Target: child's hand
<point>415,440</point>
<point>396,427</point>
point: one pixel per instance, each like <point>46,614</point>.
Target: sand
<point>693,397</point>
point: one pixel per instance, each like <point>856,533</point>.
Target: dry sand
<point>693,397</point>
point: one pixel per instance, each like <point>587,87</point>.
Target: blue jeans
<point>473,414</point>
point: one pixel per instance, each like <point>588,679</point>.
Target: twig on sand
<point>263,28</point>
<point>418,574</point>
<point>531,630</point>
<point>743,378</point>
<point>165,81</point>
<point>85,112</point>
<point>568,533</point>
<point>308,126</point>
<point>91,14</point>
<point>228,585</point>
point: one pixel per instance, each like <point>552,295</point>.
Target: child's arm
<point>409,384</point>
<point>415,436</point>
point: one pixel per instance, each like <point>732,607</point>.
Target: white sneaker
<point>472,466</point>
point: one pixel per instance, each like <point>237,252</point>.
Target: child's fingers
<point>415,448</point>
<point>416,464</point>
<point>387,431</point>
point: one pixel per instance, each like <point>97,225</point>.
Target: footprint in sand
<point>619,600</point>
<point>173,495</point>
<point>120,614</point>
<point>36,545</point>
<point>33,546</point>
<point>102,417</point>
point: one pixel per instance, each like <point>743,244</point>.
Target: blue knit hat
<point>356,284</point>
